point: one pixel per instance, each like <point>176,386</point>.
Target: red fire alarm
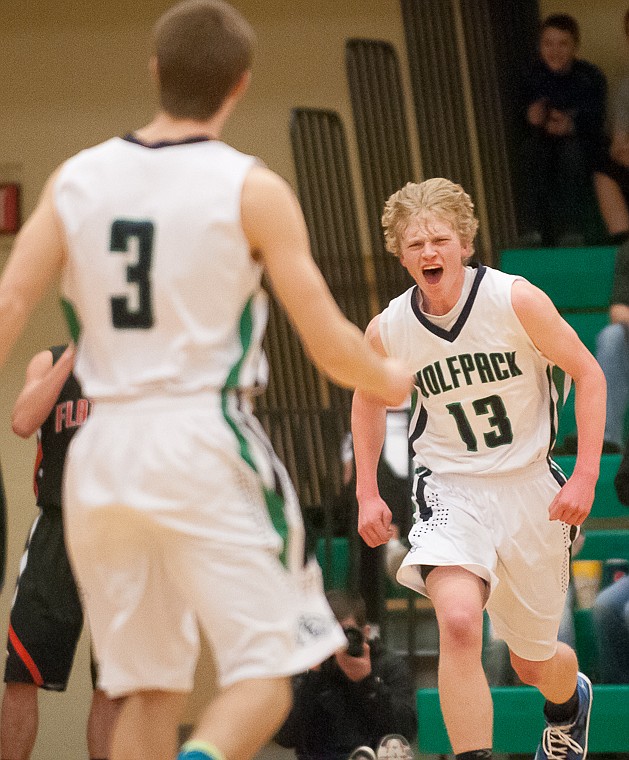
<point>9,208</point>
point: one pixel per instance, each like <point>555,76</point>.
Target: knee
<point>462,628</point>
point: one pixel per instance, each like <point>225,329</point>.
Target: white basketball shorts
<point>498,528</point>
<point>178,514</point>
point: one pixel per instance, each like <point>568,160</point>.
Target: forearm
<point>368,432</point>
<point>14,314</point>
<point>338,348</point>
<point>590,402</point>
<point>39,395</point>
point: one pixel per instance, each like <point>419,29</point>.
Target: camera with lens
<point>356,639</point>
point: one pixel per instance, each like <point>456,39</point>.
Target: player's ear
<point>242,84</point>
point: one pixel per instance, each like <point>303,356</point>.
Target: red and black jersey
<point>53,438</point>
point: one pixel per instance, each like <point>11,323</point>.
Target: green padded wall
<point>574,278</point>
<point>605,544</point>
<point>518,722</point>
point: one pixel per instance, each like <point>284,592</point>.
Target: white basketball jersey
<point>159,272</point>
<point>486,400</point>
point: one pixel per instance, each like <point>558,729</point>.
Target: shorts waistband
<point>534,470</point>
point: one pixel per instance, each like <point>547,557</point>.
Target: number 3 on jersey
<point>134,310</point>
<point>500,435</point>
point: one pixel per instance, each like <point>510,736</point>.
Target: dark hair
<point>345,604</point>
<point>202,47</point>
<point>565,23</point>
<point>626,23</point>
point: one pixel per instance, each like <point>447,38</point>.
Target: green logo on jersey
<point>465,369</point>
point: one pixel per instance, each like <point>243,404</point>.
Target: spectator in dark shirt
<point>354,698</point>
<point>563,106</point>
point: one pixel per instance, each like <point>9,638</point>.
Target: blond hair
<point>441,197</point>
<point>202,47</point>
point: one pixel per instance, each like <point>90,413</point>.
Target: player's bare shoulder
<point>270,211</point>
<point>526,298</point>
<point>372,336</point>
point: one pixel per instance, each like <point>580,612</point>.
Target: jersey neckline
<point>452,334</point>
<point>166,143</point>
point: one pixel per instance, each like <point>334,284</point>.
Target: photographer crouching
<point>352,699</point>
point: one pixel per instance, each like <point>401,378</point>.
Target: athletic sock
<point>199,750</point>
<point>475,754</point>
<point>564,712</point>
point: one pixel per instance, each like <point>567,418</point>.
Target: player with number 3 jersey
<point>180,518</point>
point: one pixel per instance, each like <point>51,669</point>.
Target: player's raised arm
<point>274,225</point>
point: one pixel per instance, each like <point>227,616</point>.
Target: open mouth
<point>432,275</point>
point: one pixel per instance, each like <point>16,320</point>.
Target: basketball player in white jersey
<point>178,513</point>
<point>494,516</point>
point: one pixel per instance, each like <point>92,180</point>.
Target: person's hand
<point>573,503</point>
<point>559,123</point>
<point>355,668</point>
<point>536,113</point>
<point>374,521</point>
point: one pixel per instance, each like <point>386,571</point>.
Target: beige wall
<point>73,73</point>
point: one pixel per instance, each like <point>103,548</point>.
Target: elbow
<point>22,427</point>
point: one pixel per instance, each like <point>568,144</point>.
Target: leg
<point>572,185</point>
<point>568,703</point>
<point>555,678</point>
<point>612,353</point>
<point>19,720</point>
<point>611,618</point>
<point>458,597</point>
<point>147,726</point>
<point>100,723</point>
<point>612,204</point>
<point>245,716</point>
